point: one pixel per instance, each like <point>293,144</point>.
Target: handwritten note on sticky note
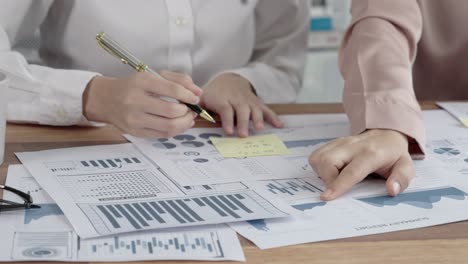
<point>266,145</point>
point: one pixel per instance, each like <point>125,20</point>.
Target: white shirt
<point>264,41</point>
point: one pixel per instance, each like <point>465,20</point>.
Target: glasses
<point>6,205</point>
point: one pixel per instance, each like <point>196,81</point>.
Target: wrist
<point>389,132</point>
<point>93,98</point>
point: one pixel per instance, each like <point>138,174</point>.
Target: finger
<point>167,88</point>
<point>402,173</point>
<point>184,80</point>
<point>226,112</point>
<point>328,164</point>
<point>243,119</point>
<point>257,118</point>
<point>159,107</point>
<point>335,144</point>
<point>271,117</point>
<point>171,126</point>
<point>356,171</point>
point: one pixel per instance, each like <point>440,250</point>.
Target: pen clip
<point>107,46</point>
<point>100,39</point>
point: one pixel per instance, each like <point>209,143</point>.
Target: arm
<point>44,95</point>
<point>376,60</point>
<point>37,94</point>
<point>274,73</point>
<point>277,65</point>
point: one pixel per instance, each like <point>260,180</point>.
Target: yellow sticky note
<point>266,145</point>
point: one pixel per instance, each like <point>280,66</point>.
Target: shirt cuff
<point>398,117</point>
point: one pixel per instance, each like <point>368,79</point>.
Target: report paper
<point>191,159</point>
<point>438,194</point>
<point>459,110</point>
<point>113,189</point>
<point>433,198</point>
<point>46,235</point>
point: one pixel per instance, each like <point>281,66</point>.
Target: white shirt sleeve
<point>37,94</point>
<point>277,64</point>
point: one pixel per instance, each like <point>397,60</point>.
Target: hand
<point>133,104</point>
<point>347,161</point>
<point>230,96</point>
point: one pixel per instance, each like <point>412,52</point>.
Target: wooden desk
<point>441,244</point>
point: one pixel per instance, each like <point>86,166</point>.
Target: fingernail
<point>327,194</point>
<point>196,100</point>
<point>396,188</point>
<point>259,126</point>
<point>229,130</point>
<point>194,114</point>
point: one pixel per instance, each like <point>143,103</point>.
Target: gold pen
<point>113,48</point>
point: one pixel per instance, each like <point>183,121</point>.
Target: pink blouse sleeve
<point>376,60</point>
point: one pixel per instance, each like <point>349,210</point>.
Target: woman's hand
<point>133,104</point>
<point>343,163</point>
<point>232,97</point>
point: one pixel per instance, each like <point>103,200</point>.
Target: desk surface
<point>440,244</point>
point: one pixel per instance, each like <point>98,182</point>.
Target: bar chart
<point>154,245</point>
<point>113,218</point>
<point>292,189</point>
<point>110,163</point>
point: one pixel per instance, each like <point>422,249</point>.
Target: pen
<point>113,48</point>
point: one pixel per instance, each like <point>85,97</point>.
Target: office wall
<point>322,80</point>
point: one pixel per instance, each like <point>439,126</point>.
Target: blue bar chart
<point>292,189</point>
<point>114,218</point>
<point>156,245</point>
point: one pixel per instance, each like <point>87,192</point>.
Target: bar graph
<point>288,189</point>
<point>114,218</point>
<point>156,245</point>
<point>110,163</point>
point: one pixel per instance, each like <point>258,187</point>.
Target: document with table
<point>184,188</point>
<point>46,234</point>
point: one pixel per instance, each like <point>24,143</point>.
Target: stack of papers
<point>171,198</point>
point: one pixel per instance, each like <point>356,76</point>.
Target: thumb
<point>401,174</point>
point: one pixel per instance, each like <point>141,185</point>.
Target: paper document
<point>46,235</point>
<point>254,146</point>
<point>436,196</point>
<point>458,109</point>
<point>191,158</point>
<point>432,199</point>
<point>105,190</point>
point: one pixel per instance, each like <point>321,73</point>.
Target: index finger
<point>167,88</point>
<point>184,80</point>
<point>356,171</point>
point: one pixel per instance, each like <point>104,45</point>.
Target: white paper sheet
<point>105,190</point>
<point>191,159</point>
<point>458,110</point>
<point>432,199</point>
<point>45,235</point>
<point>436,196</point>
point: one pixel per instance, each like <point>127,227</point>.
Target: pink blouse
<point>397,52</point>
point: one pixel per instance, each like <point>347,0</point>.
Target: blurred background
<point>322,79</point>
